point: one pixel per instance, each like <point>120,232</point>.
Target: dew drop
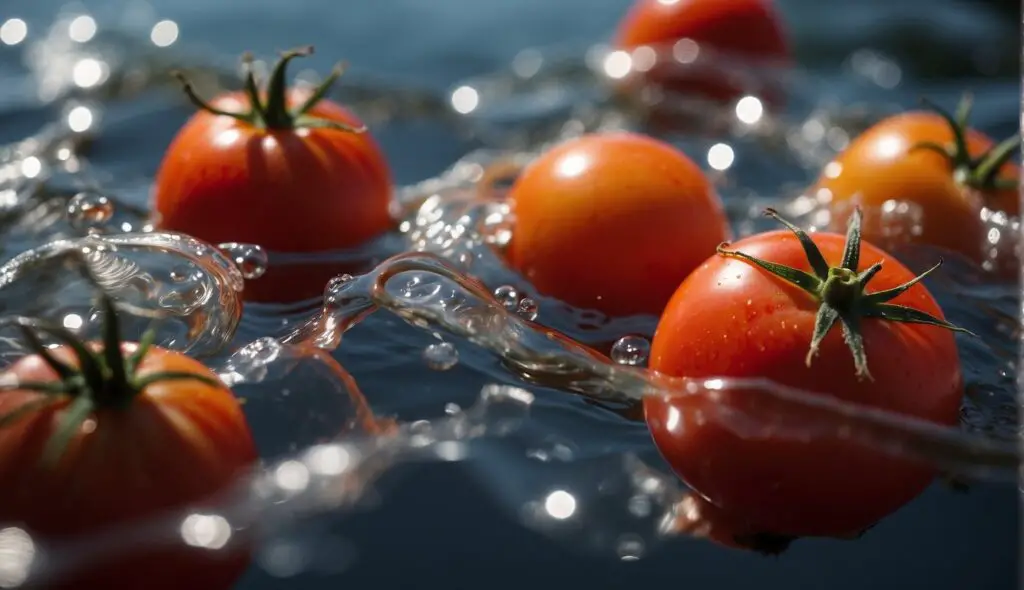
<point>631,350</point>
<point>441,356</point>
<point>89,211</point>
<point>250,259</point>
<point>528,309</point>
<point>508,296</point>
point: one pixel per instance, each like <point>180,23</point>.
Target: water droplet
<point>508,296</point>
<point>441,356</point>
<point>184,273</point>
<point>639,506</point>
<point>528,309</point>
<point>452,409</point>
<point>250,259</point>
<point>630,548</point>
<point>335,290</point>
<point>89,211</point>
<point>631,350</point>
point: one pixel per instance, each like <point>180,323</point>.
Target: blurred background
<point>437,524</point>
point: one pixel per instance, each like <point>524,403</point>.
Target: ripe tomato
<point>613,222</point>
<point>735,318</point>
<point>695,516</point>
<point>108,450</point>
<point>933,161</point>
<point>746,30</point>
<point>293,173</point>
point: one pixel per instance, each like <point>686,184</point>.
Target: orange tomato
<point>613,222</point>
<point>734,318</point>
<point>104,451</point>
<point>293,172</point>
<point>933,161</point>
<point>745,30</point>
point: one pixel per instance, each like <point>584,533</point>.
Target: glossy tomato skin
<point>880,165</point>
<point>177,443</point>
<point>291,191</point>
<point>613,222</point>
<point>731,319</point>
<point>747,30</point>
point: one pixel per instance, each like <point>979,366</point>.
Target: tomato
<point>613,222</point>
<point>734,318</point>
<point>697,517</point>
<point>108,451</point>
<point>294,173</point>
<point>932,160</point>
<point>745,30</point>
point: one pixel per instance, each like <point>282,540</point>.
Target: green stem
<point>276,115</point>
<point>841,292</point>
<point>269,110</point>
<point>981,172</point>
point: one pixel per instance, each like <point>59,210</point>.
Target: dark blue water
<point>437,524</point>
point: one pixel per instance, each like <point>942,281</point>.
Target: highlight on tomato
<point>932,160</point>
<point>613,222</point>
<point>843,320</point>
<point>100,435</point>
<point>747,31</point>
<point>283,168</point>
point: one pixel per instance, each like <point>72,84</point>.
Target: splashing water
<point>331,448</point>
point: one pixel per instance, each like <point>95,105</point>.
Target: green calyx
<point>269,108</point>
<point>102,379</point>
<point>842,291</point>
<point>982,172</point>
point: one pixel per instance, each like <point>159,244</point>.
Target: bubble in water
<point>335,290</point>
<point>508,296</point>
<point>441,356</point>
<point>631,350</point>
<point>528,309</point>
<point>630,548</point>
<point>89,211</point>
<point>184,273</point>
<point>250,259</point>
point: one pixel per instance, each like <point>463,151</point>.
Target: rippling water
<point>482,450</point>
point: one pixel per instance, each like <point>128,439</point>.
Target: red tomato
<point>288,175</point>
<point>613,222</point>
<point>948,182</point>
<point>134,451</point>
<point>695,516</point>
<point>746,30</point>
<point>733,318</point>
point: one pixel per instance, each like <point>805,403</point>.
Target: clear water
<point>531,469</point>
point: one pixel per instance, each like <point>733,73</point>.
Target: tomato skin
<point>299,190</point>
<point>731,319</point>
<point>880,165</point>
<point>177,443</point>
<point>613,222</point>
<point>748,30</point>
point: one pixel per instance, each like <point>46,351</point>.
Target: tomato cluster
<point>619,222</point>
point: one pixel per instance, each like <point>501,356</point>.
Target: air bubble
<point>631,350</point>
<point>250,259</point>
<point>528,309</point>
<point>334,292</point>
<point>508,296</point>
<point>630,548</point>
<point>441,356</point>
<point>89,211</point>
